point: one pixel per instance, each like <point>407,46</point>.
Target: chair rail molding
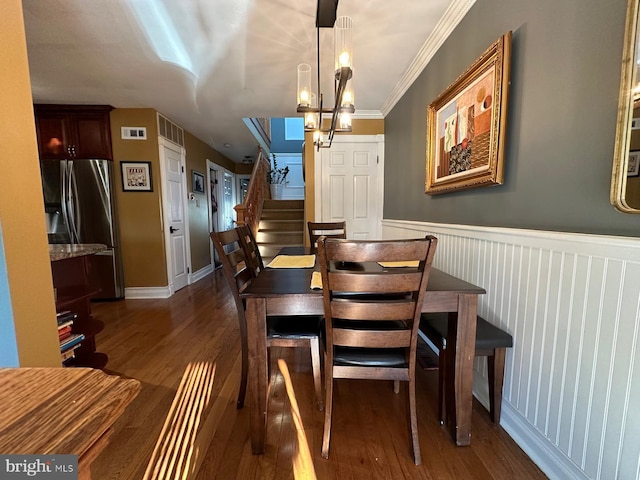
<point>572,303</point>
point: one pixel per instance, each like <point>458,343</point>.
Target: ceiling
<point>207,64</point>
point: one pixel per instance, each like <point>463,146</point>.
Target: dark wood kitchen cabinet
<point>73,131</point>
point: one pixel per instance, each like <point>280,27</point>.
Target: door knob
<point>172,229</point>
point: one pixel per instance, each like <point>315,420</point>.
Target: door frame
<point>234,189</point>
<point>353,139</point>
<point>162,144</point>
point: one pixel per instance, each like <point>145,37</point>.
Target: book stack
<point>69,341</point>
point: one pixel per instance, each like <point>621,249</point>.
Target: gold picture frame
<point>466,125</point>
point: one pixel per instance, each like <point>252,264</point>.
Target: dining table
<point>287,291</point>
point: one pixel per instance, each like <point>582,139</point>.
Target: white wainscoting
<point>571,395</point>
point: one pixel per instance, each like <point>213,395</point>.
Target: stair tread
<point>284,220</point>
<point>282,210</point>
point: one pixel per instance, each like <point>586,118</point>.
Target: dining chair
<point>299,331</point>
<point>372,315</point>
<point>252,252</point>
<point>328,229</point>
<point>491,342</point>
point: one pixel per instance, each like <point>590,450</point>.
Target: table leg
<point>256,315</point>
<point>463,339</point>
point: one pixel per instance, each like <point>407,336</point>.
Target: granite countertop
<point>60,251</point>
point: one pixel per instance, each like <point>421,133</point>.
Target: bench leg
<point>496,379</point>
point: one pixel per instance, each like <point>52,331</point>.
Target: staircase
<point>281,225</point>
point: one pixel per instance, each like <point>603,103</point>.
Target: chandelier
<point>312,104</point>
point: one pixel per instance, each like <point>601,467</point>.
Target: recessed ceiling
<point>207,64</point>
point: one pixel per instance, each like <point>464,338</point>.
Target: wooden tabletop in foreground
<point>59,410</point>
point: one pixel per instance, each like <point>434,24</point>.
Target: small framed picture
<point>197,180</point>
<point>136,177</point>
<point>633,166</point>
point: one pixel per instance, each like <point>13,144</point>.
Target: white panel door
<point>173,162</point>
<point>294,188</point>
<point>351,187</point>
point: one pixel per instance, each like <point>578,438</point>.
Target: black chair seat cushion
<point>369,357</point>
<point>293,327</point>
<point>488,336</point>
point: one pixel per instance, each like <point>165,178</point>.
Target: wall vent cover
<point>134,133</point>
<point>170,131</point>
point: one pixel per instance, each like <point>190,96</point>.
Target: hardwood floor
<point>154,341</point>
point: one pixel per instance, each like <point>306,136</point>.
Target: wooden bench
<point>491,342</point>
<point>186,433</point>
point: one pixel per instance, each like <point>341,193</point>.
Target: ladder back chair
<point>299,331</point>
<point>328,229</point>
<point>251,249</point>
<point>238,275</point>
<point>372,315</point>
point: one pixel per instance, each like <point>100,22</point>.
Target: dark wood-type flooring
<point>154,340</point>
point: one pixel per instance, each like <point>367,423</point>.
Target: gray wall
<point>565,74</point>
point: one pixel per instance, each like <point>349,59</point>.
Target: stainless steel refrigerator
<point>80,208</point>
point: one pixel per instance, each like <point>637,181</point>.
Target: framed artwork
<point>466,125</point>
<point>633,166</point>
<point>197,182</point>
<point>136,177</point>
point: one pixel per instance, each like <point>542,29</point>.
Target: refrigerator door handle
<point>64,202</point>
<point>72,203</point>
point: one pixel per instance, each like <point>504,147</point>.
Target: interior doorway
<point>221,198</point>
<point>176,220</point>
<point>213,200</point>
<point>350,184</point>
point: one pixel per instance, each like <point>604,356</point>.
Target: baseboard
<point>550,460</point>
<point>147,292</point>
<point>200,274</point>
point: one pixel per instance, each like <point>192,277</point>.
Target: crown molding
<point>450,20</point>
<point>367,115</point>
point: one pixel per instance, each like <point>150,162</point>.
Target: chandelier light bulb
<point>345,120</point>
<point>304,85</point>
<point>310,120</point>
<point>344,59</point>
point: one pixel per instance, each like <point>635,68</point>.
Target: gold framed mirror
<point>625,178</point>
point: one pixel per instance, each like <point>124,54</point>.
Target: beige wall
<point>139,213</point>
<point>243,168</point>
<point>21,202</point>
<point>359,127</point>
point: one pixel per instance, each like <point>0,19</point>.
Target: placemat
<point>316,281</point>
<point>409,263</point>
<point>293,261</point>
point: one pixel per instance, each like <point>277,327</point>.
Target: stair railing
<point>250,210</point>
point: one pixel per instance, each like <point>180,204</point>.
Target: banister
<point>250,210</point>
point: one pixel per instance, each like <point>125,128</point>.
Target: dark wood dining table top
<point>273,282</point>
